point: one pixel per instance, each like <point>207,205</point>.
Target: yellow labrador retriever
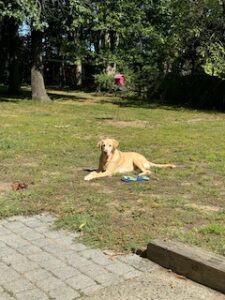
<point>112,161</point>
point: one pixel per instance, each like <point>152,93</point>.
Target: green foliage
<point>215,228</point>
<point>104,82</point>
<point>25,10</point>
<point>148,38</point>
<point>214,59</point>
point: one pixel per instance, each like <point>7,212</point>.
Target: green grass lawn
<point>48,146</point>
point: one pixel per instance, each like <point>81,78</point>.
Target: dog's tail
<point>151,164</point>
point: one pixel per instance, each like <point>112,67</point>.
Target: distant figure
<point>120,82</point>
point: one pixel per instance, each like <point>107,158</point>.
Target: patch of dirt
<point>195,120</point>
<point>30,164</point>
<point>46,173</point>
<point>104,189</point>
<point>134,124</point>
<point>4,187</point>
<point>210,208</point>
<point>25,164</point>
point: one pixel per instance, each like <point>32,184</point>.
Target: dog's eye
<point>110,145</point>
<point>103,145</point>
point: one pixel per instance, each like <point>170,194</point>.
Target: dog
<point>112,161</point>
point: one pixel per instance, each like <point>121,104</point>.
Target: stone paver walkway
<point>39,263</point>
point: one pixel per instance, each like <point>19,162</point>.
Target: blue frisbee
<point>138,178</point>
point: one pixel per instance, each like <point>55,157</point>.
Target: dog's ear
<point>115,143</point>
<point>99,144</point>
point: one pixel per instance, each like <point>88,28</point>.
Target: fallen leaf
<point>180,277</point>
<point>18,185</point>
<point>82,225</point>
<point>111,254</point>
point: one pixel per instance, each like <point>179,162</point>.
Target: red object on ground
<point>119,79</point>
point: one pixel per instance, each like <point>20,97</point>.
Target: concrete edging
<point>195,263</point>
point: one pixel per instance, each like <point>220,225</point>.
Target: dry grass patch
<point>134,124</point>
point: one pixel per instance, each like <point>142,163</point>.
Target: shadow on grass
<point>122,100</point>
<point>58,96</point>
<point>25,94</point>
<point>6,97</point>
<point>135,102</point>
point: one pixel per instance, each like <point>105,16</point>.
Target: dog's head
<point>108,146</point>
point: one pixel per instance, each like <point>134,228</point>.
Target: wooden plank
<point>192,262</point>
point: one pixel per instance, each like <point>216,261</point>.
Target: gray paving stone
<point>8,276</point>
<point>91,270</point>
<point>92,289</point>
<point>4,231</point>
<point>77,261</point>
<point>139,263</point>
<point>16,258</point>
<point>46,218</point>
<point>14,240</point>
<point>107,279</point>
<point>68,241</point>
<point>52,264</point>
<point>51,284</point>
<point>5,296</point>
<point>30,249</point>
<point>3,222</point>
<point>65,272</point>
<point>18,286</point>
<point>78,247</point>
<point>31,235</point>
<point>55,248</point>
<point>3,267</point>
<point>18,230</point>
<point>80,282</point>
<point>37,275</point>
<point>42,229</point>
<point>14,225</point>
<point>15,219</point>
<point>40,257</point>
<point>132,274</point>
<point>42,242</point>
<point>34,294</point>
<point>34,223</point>
<point>132,260</point>
<point>89,253</point>
<point>52,234</point>
<point>67,255</point>
<point>25,267</point>
<point>64,293</point>
<point>101,259</point>
<point>97,256</point>
<point>2,245</point>
<point>6,251</point>
<point>119,268</point>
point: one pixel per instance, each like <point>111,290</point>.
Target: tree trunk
<point>111,44</point>
<point>223,6</point>
<point>78,71</point>
<point>13,57</point>
<point>37,79</point>
<point>110,67</point>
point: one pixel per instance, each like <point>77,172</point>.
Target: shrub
<point>104,82</point>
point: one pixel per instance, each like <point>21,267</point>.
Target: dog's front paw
<point>87,178</point>
<point>172,166</point>
<point>90,176</point>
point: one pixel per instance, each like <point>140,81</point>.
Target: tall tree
<point>32,12</point>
